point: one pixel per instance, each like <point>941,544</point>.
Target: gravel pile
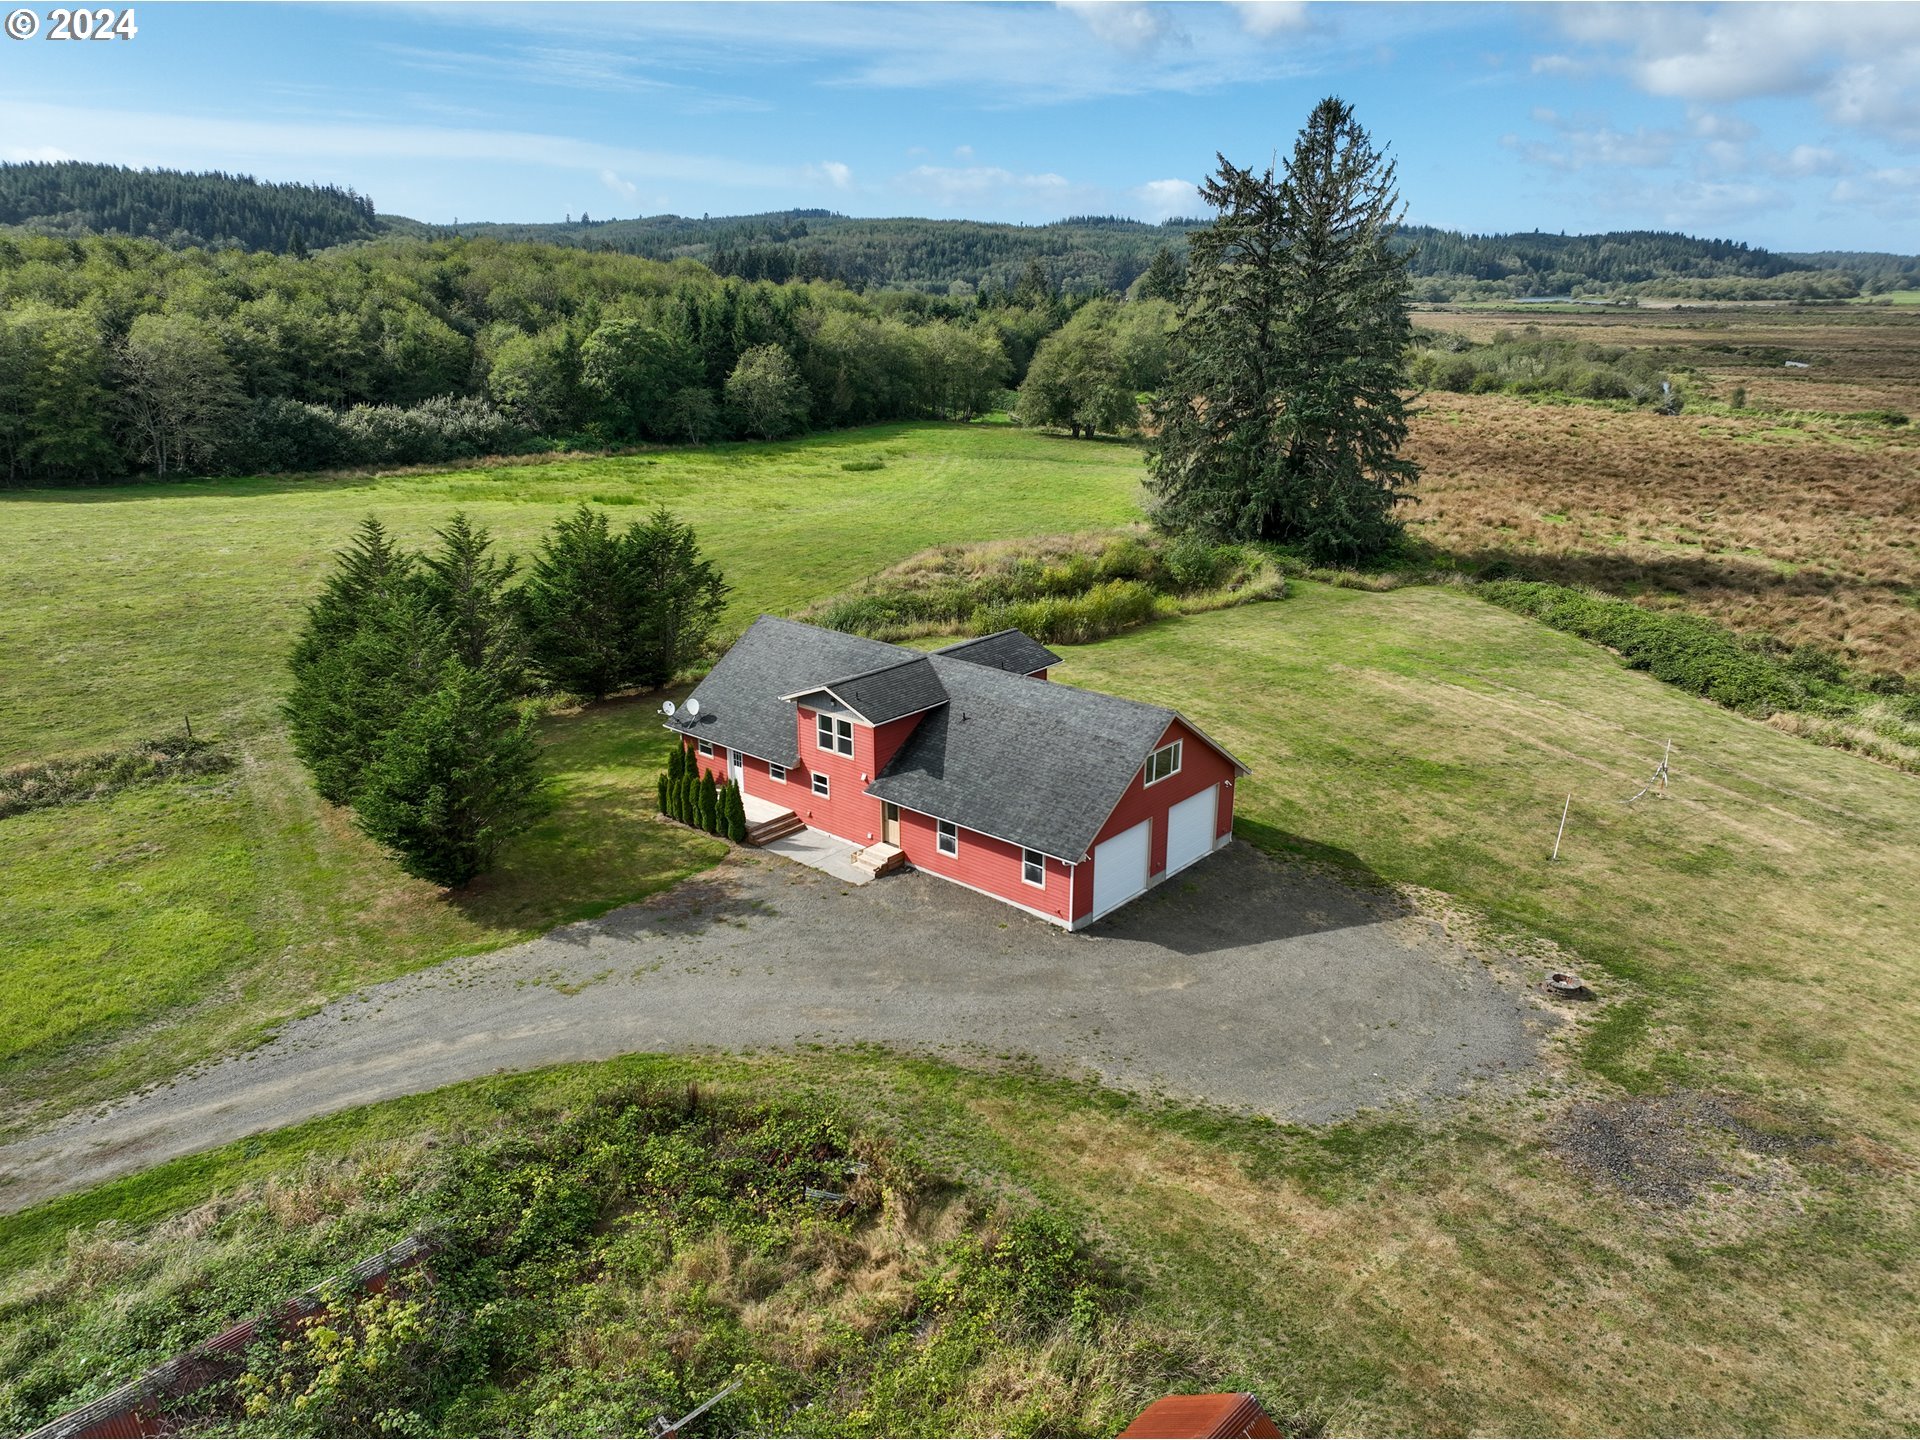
<point>1665,1150</point>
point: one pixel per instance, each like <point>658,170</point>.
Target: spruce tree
<point>1283,415</point>
<point>370,683</point>
<point>709,803</point>
<point>453,780</point>
<point>736,815</point>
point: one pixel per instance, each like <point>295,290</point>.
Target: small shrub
<point>94,777</point>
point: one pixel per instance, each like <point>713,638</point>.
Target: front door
<point>889,823</point>
<point>736,766</point>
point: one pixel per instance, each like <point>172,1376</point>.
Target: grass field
<point>165,924</point>
<point>1780,518</point>
<point>1462,1267</point>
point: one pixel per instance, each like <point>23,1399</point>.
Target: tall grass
<point>1061,589</point>
<point>1530,364</point>
<point>38,786</point>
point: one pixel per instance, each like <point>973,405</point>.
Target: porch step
<point>774,828</point>
<point>880,859</point>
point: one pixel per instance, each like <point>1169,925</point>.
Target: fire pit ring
<point>1565,982</point>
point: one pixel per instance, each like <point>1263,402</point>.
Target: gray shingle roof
<point>1032,762</point>
<point>1014,651</point>
<point>905,687</point>
<point>740,704</point>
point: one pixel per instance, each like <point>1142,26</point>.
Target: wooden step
<point>880,859</point>
<point>783,824</point>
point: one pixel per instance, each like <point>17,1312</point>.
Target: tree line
<point>413,669</point>
<point>213,210</point>
<point>119,356</point>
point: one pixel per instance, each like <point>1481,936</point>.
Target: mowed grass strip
<point>157,927</point>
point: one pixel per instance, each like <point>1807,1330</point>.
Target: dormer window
<point>1163,762</point>
<point>835,735</point>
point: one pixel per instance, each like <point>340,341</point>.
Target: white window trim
<point>776,773</point>
<point>822,786</point>
<point>706,747</point>
<point>945,831</point>
<point>832,734</point>
<point>1025,863</point>
<point>1178,756</point>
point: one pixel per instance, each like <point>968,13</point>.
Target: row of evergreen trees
<point>412,673</point>
<point>694,798</point>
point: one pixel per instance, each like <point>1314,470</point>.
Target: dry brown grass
<point>1807,530</point>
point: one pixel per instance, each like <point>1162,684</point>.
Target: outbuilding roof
<point>1014,651</point>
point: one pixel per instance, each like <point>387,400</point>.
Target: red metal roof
<point>1191,1417</point>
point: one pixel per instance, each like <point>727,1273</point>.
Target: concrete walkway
<point>1241,982</point>
<point>823,852</point>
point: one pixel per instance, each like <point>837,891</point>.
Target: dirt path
<point>1244,983</point>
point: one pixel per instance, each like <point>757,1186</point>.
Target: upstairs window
<point>1163,762</point>
<point>820,785</point>
<point>835,735</point>
<point>1033,868</point>
<point>948,839</point>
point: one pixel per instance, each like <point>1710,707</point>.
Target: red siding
<point>1200,766</point>
<point>847,811</point>
<point>986,864</point>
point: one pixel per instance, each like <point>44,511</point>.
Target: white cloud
<point>1125,23</point>
<point>978,188</point>
<point>1163,199</point>
<point>1266,18</point>
<point>1861,62</point>
<point>626,189</point>
<point>20,154</point>
<point>839,176</point>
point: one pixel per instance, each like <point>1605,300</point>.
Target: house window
<point>836,735</point>
<point>1033,868</point>
<point>820,786</point>
<point>948,841</point>
<point>706,747</point>
<point>777,773</point>
<point>1163,762</point>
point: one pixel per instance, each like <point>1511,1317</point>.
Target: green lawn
<point>1440,1270</point>
<point>167,924</point>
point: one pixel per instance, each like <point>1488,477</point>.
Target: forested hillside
<point>1082,255</point>
<point>215,210</point>
<point>118,354</point>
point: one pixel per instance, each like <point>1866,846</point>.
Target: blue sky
<point>1794,126</point>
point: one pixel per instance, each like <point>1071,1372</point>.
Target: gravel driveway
<point>1244,982</point>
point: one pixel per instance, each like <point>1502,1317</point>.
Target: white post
<point>1563,828</point>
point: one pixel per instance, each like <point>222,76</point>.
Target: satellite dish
<point>666,708</point>
<point>693,707</point>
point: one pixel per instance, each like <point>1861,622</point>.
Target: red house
<point>967,762</point>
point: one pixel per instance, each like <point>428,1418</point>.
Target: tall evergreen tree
<point>578,606</point>
<point>683,592</point>
<point>1283,417</point>
<point>453,779</point>
<point>467,586</point>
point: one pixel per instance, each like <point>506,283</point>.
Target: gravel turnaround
<point>1242,982</point>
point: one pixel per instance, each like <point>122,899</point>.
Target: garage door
<point>1120,867</point>
<point>1190,828</point>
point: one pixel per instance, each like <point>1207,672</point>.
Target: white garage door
<point>1190,828</point>
<point>1120,867</point>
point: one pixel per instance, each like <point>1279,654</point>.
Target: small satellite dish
<point>666,708</point>
<point>693,707</point>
